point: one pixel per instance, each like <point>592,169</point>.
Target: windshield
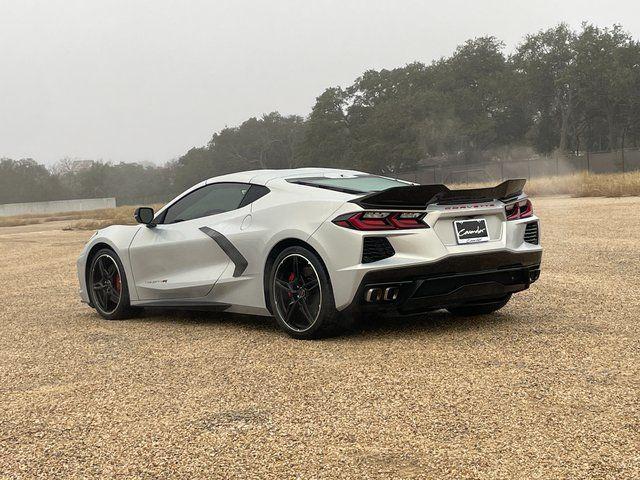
<point>357,184</point>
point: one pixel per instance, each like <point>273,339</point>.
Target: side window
<point>208,200</point>
<point>255,192</point>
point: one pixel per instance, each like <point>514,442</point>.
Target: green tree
<point>546,64</point>
<point>27,181</point>
<point>194,166</point>
<point>384,114</point>
<point>327,138</point>
<point>479,84</point>
<point>268,142</point>
<point>607,73</point>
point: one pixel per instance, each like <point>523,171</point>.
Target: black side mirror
<point>145,215</point>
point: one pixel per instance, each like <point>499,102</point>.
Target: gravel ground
<point>546,388</point>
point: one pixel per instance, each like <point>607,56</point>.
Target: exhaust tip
<point>534,275</point>
<point>391,293</point>
<point>380,294</point>
<point>373,295</point>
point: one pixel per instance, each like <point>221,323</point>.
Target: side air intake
<point>376,248</point>
<point>531,233</point>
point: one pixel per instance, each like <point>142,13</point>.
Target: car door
<point>178,258</point>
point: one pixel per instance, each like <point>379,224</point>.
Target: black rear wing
<point>419,197</point>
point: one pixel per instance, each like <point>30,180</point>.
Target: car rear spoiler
<point>418,197</point>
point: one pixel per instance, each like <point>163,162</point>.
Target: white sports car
<point>314,247</point>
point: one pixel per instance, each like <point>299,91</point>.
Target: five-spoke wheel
<point>107,285</point>
<point>300,294</point>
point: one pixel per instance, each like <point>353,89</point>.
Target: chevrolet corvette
<point>317,247</point>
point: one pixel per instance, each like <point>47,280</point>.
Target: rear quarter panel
<point>287,212</point>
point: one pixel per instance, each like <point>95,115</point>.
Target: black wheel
<point>479,308</point>
<point>107,285</point>
<point>301,295</point>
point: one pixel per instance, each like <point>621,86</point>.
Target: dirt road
<point>548,387</point>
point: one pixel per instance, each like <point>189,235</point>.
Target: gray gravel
<point>546,388</point>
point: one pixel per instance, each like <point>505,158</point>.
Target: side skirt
<point>184,304</point>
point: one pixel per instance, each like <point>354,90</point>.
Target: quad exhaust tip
<point>391,293</point>
<point>373,295</point>
<point>379,294</point>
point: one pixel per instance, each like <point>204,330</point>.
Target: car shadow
<point>200,317</point>
<point>437,322</point>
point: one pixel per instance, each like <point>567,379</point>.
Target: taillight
<point>381,220</point>
<point>517,210</point>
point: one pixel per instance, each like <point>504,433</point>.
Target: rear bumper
<point>454,280</point>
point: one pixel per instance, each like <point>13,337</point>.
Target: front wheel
<point>107,286</point>
<point>479,309</point>
<point>301,296</point>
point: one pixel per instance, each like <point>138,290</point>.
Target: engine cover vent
<point>376,248</point>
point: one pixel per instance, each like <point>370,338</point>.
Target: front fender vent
<point>376,248</point>
<point>531,233</point>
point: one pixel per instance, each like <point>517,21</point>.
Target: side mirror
<point>145,215</point>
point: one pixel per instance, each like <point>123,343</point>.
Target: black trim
<point>531,233</point>
<point>229,248</point>
<point>418,197</point>
<point>376,248</point>
<point>185,304</point>
<point>254,193</point>
<point>453,281</point>
<point>325,187</point>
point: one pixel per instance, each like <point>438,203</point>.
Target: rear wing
<point>419,197</point>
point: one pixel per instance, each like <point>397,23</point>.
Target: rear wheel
<point>301,295</point>
<point>107,285</point>
<point>479,308</point>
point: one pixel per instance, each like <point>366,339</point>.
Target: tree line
<point>560,91</point>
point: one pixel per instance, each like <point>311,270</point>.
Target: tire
<point>479,308</point>
<point>106,280</point>
<point>302,309</point>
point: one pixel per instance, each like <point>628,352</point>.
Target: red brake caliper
<point>291,277</point>
<point>117,283</point>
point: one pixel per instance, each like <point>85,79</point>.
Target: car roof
<point>262,177</point>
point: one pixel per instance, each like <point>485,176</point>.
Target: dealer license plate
<point>471,231</point>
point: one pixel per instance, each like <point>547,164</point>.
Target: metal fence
<point>602,162</point>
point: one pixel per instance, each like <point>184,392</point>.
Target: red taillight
<point>381,220</point>
<point>517,210</point>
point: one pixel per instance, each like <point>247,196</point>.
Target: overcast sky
<point>135,80</point>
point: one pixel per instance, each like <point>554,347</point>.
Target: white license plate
<point>471,231</point>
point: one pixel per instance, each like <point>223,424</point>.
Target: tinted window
<point>255,192</point>
<point>208,200</point>
<point>357,184</point>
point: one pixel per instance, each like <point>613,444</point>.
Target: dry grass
<point>587,185</point>
<point>545,388</point>
<point>580,185</point>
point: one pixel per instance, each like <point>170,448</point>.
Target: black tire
<point>479,308</point>
<point>302,310</point>
<point>107,286</point>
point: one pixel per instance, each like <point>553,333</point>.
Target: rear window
<point>357,184</point>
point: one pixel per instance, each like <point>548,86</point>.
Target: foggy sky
<point>133,80</point>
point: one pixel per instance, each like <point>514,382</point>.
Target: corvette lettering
<point>475,205</point>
